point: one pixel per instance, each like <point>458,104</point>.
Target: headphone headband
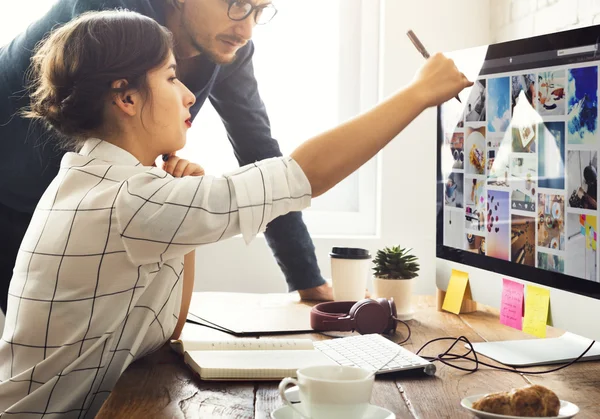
<point>332,316</point>
<point>364,316</point>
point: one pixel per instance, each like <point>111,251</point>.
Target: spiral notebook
<point>249,359</point>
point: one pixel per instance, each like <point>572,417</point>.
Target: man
<point>214,52</point>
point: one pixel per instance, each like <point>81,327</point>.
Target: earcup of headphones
<point>384,303</point>
<point>390,308</point>
<point>369,316</point>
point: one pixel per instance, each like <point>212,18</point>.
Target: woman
<point>97,283</point>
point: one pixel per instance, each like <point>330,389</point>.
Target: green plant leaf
<point>395,262</point>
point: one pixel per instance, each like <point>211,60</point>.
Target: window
<point>317,65</point>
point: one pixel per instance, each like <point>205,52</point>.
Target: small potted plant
<point>394,271</point>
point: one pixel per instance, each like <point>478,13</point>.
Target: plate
<point>373,412</point>
<point>527,133</point>
<point>556,212</point>
<point>567,409</point>
<point>476,142</point>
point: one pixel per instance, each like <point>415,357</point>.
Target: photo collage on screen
<point>520,163</point>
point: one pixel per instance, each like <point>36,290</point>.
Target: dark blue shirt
<point>31,158</point>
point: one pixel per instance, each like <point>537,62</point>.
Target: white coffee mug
<point>330,392</point>
<point>350,268</point>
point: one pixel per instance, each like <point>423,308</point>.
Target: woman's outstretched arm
<point>330,157</point>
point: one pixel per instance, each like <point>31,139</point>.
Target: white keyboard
<point>372,352</point>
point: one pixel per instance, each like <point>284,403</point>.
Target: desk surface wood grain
<point>161,386</point>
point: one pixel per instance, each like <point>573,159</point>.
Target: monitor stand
<point>531,352</point>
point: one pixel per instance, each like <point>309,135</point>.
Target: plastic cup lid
<point>349,253</point>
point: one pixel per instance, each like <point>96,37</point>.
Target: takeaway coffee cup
<point>350,268</point>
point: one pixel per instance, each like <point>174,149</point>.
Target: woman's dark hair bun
<point>73,69</point>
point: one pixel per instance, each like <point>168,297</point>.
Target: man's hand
<point>321,293</point>
<point>178,167</point>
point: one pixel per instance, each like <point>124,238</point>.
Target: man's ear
<point>124,98</point>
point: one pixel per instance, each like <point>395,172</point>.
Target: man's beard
<point>198,46</point>
<point>211,56</point>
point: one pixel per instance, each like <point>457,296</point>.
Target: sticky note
<point>588,242</point>
<point>537,302</point>
<point>511,307</point>
<point>456,291</point>
<point>591,221</point>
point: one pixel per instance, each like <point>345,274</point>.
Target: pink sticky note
<point>511,307</point>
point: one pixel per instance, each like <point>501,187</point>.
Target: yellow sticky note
<point>537,302</point>
<point>456,291</point>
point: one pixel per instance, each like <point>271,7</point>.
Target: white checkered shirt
<point>98,278</point>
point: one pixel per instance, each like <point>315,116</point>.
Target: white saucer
<point>567,410</point>
<point>373,412</point>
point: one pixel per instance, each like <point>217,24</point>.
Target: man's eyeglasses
<point>240,9</point>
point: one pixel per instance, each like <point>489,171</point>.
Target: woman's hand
<point>178,167</point>
<point>439,80</point>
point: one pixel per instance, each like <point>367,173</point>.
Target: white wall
<point>408,164</point>
<point>513,19</point>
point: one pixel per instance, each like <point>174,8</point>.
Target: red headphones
<point>364,316</point>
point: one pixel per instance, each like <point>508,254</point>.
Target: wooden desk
<point>160,386</point>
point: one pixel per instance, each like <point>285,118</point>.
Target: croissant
<point>529,401</point>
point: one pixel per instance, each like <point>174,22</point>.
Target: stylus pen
<point>419,46</point>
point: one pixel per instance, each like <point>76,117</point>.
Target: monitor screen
<point>518,161</point>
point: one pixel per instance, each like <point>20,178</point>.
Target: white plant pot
<point>398,289</point>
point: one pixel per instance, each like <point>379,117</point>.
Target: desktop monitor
<point>517,193</point>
